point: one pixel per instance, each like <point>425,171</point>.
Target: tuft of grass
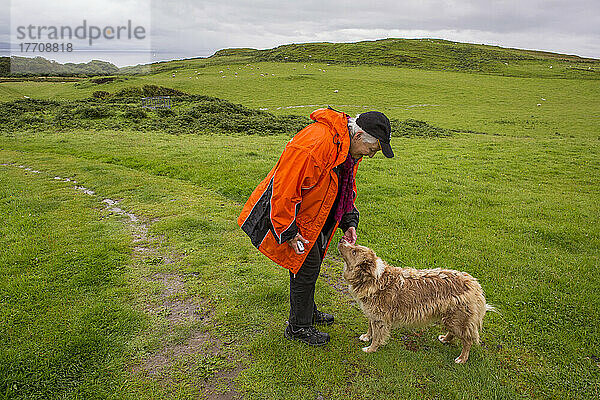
<point>414,128</point>
<point>91,112</point>
<point>149,91</point>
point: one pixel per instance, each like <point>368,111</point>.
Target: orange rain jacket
<point>299,192</point>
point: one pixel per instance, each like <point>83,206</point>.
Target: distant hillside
<point>435,54</point>
<point>40,66</point>
<point>430,54</point>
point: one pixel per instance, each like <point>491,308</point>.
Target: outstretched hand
<point>350,235</point>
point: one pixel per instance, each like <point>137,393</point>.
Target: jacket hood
<point>334,119</point>
<point>338,123</point>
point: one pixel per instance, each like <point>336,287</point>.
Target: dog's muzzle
<point>343,245</point>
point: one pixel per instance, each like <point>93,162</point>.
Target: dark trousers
<point>302,286</point>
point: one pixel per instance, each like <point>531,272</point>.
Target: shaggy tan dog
<point>391,296</point>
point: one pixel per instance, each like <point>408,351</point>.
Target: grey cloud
<point>498,16</point>
<point>187,28</point>
<point>4,28</point>
<point>265,23</point>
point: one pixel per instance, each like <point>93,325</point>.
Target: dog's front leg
<point>380,332</point>
<point>365,337</point>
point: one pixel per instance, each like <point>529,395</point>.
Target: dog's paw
<point>364,337</point>
<point>460,360</point>
<point>442,338</point>
<point>369,349</point>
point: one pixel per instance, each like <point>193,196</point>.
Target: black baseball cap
<point>377,125</point>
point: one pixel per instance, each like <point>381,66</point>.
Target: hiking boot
<point>311,336</point>
<point>321,318</point>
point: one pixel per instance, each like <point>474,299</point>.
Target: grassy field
<point>172,301</point>
<point>65,323</point>
<point>476,102</point>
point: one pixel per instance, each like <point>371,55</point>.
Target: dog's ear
<point>368,261</point>
<point>363,280</point>
<point>367,266</point>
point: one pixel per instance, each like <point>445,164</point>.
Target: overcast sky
<point>187,28</point>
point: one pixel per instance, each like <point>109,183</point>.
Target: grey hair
<point>353,128</point>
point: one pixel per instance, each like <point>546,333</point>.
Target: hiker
<point>293,213</point>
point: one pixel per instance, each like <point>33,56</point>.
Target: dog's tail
<point>489,307</point>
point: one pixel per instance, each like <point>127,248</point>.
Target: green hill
<point>430,54</point>
<point>40,66</point>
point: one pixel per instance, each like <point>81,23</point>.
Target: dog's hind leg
<point>365,337</point>
<point>380,333</point>
<point>464,354</point>
<point>446,338</point>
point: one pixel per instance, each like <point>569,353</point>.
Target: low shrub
<point>164,112</point>
<point>92,112</point>
<point>100,94</point>
<point>104,79</point>
<point>135,113</point>
<point>31,119</point>
<point>189,114</point>
<point>130,92</point>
